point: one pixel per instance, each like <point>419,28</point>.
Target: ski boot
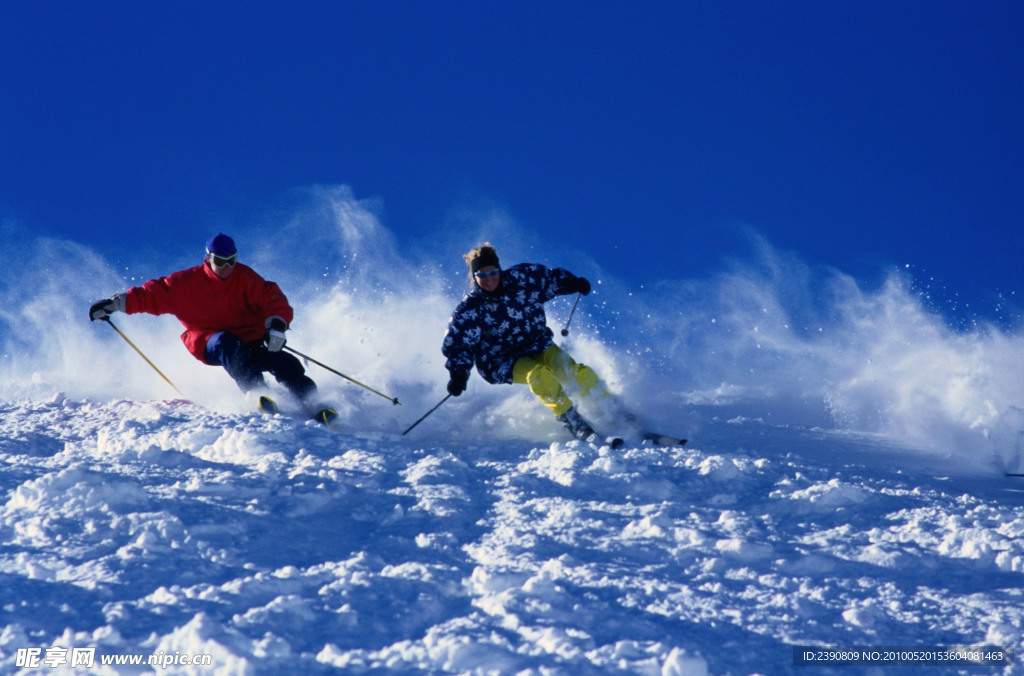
<point>577,426</point>
<point>582,430</point>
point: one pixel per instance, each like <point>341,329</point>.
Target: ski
<point>1017,474</point>
<point>325,416</point>
<point>663,439</point>
<point>268,405</point>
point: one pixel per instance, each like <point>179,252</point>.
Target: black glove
<point>102,309</point>
<point>579,285</point>
<point>457,382</point>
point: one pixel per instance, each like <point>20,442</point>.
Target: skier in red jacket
<point>232,316</point>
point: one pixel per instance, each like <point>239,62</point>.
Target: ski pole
<point>426,414</point>
<point>114,326</point>
<point>339,373</point>
<point>565,331</point>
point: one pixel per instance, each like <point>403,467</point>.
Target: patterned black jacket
<point>494,330</point>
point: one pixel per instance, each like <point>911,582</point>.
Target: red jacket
<point>206,304</point>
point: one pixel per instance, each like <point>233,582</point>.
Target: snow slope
<point>844,484</point>
<point>280,547</point>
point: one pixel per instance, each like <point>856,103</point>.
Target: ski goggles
<point>489,273</point>
<point>222,261</point>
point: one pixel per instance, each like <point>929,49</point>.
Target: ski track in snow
<point>280,547</point>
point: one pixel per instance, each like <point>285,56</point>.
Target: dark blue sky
<point>862,135</point>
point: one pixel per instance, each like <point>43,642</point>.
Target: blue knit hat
<point>221,245</point>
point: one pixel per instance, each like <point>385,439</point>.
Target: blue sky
<point>862,135</point>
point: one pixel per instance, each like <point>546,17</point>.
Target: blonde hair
<point>486,251</point>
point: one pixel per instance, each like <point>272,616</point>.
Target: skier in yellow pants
<point>500,328</point>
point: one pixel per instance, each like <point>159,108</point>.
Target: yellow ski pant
<point>548,372</point>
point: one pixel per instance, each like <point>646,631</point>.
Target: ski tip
<point>325,416</point>
<point>268,405</point>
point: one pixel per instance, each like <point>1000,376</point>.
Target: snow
<point>278,546</point>
<point>844,483</point>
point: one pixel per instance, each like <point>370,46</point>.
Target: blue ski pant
<point>246,363</point>
<point>549,372</point>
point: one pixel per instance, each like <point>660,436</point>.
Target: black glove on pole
<point>457,383</point>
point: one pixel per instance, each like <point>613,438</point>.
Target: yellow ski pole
<point>339,373</point>
<point>114,326</point>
